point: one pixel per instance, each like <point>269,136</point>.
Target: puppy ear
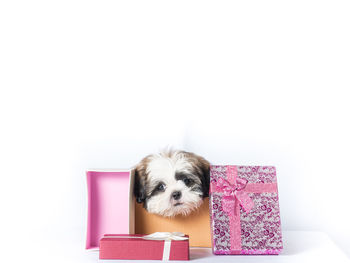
<point>204,167</point>
<point>139,187</point>
<point>140,180</point>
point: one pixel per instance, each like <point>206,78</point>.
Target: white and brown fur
<point>171,182</point>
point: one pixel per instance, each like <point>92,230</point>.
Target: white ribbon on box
<point>166,236</point>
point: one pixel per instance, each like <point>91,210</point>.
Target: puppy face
<point>172,183</point>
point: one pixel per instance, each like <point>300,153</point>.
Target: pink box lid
<point>128,247</point>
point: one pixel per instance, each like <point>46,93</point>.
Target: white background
<point>102,83</point>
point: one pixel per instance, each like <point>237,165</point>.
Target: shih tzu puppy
<point>171,182</point>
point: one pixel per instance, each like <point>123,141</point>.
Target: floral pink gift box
<point>244,210</point>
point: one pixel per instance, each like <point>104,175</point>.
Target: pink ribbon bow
<point>234,194</point>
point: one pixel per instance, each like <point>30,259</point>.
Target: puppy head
<point>172,182</point>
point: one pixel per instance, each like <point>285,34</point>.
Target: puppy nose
<point>176,195</point>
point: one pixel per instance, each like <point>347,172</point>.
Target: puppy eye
<point>161,187</point>
<point>187,181</point>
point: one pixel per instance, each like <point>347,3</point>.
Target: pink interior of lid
<point>108,205</point>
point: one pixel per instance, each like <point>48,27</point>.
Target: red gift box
<point>141,247</point>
